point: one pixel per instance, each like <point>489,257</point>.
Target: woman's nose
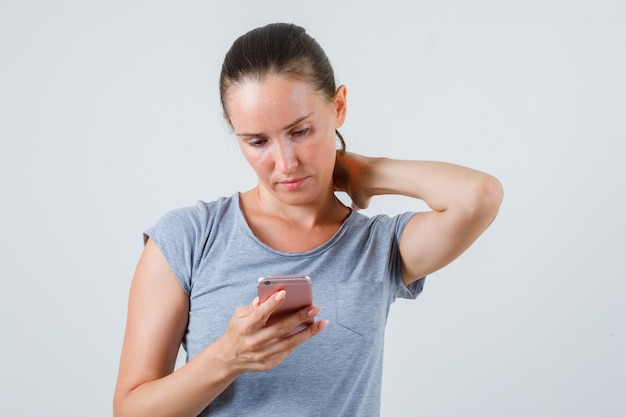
<point>284,157</point>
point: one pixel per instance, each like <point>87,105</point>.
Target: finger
<point>291,323</point>
<point>272,352</point>
<point>249,309</point>
<point>361,205</point>
<point>265,309</point>
<point>243,311</point>
<point>287,344</point>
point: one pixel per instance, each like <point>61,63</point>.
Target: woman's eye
<point>257,142</point>
<point>300,132</point>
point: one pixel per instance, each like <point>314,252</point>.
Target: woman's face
<point>286,131</point>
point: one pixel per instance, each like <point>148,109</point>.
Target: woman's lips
<point>293,183</point>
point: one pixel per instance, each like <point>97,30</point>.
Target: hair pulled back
<point>281,49</point>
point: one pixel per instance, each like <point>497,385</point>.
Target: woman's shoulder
<point>360,219</point>
<point>199,216</point>
<point>377,226</point>
<point>205,209</point>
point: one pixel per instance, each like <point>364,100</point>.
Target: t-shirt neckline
<point>241,218</point>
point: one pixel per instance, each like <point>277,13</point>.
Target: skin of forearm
<point>183,393</point>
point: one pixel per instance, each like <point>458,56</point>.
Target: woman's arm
<point>157,319</point>
<point>463,201</point>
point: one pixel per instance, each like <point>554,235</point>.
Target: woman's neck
<point>323,210</point>
<point>292,228</point>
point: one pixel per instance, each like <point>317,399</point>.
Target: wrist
<point>378,175</point>
<point>220,360</point>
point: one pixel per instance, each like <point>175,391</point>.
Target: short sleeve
<point>415,288</point>
<point>412,290</point>
<point>178,234</point>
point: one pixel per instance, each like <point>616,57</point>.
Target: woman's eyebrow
<point>298,120</point>
<point>289,126</point>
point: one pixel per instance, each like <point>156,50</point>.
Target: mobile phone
<point>299,294</point>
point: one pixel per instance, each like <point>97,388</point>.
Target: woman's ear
<point>340,106</point>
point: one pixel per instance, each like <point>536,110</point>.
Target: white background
<point>109,117</point>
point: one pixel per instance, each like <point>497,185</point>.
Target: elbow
<point>119,405</point>
<point>487,197</point>
<point>478,203</point>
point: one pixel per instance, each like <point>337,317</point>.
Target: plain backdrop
<point>110,117</point>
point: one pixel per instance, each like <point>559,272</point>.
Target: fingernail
<point>322,324</point>
<point>280,295</point>
<point>313,311</point>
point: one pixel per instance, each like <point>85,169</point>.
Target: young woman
<point>197,275</point>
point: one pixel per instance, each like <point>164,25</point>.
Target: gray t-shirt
<point>356,276</point>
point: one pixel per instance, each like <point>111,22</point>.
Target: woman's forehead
<point>271,99</point>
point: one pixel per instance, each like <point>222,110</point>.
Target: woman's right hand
<point>250,345</point>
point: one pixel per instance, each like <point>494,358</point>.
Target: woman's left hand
<point>351,176</point>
